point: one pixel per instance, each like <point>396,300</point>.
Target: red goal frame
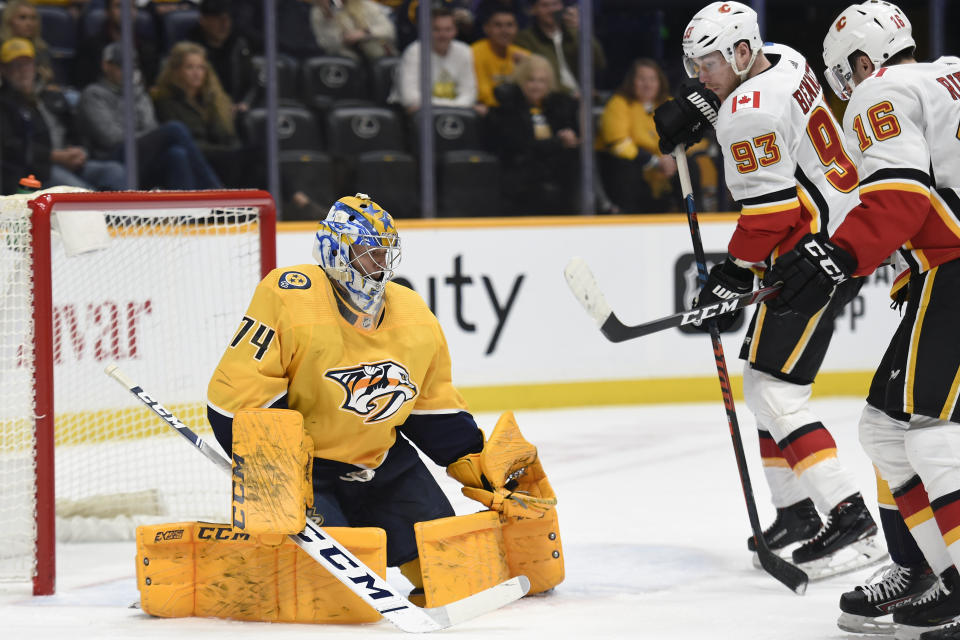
<point>44,580</point>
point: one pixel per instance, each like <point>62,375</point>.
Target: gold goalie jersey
<point>352,386</point>
<point>784,158</point>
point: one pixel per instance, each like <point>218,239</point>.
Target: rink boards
<point>519,339</point>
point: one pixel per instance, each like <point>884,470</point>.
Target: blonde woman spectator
<point>188,91</point>
<point>534,130</point>
<point>355,29</point>
<point>21,20</point>
<point>628,142</point>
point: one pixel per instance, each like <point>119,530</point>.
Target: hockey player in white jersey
<point>903,121</point>
<point>786,163</point>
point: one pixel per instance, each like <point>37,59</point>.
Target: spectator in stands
<point>535,131</point>
<point>482,9</point>
<point>189,91</point>
<point>554,34</point>
<point>628,144</point>
<point>228,52</point>
<point>167,155</point>
<point>495,56</point>
<point>21,20</point>
<point>247,18</point>
<point>90,51</point>
<point>76,7</point>
<point>454,82</point>
<point>296,37</point>
<point>405,16</point>
<point>359,29</point>
<point>635,173</point>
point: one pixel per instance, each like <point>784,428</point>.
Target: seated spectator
<point>188,91</point>
<point>454,83</point>
<point>535,132</point>
<point>295,36</point>
<point>90,51</point>
<point>495,55</point>
<point>628,144</point>
<point>405,16</point>
<point>229,53</point>
<point>482,9</point>
<point>21,20</point>
<point>247,18</point>
<point>167,156</point>
<point>554,33</point>
<point>358,29</point>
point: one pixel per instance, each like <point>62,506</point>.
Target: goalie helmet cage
<point>164,297</point>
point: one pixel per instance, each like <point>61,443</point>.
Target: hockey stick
<point>584,286</point>
<point>788,574</point>
<point>346,567</point>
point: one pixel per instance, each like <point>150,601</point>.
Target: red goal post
<point>155,280</point>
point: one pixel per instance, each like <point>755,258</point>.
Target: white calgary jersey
<point>903,126</point>
<point>785,158</point>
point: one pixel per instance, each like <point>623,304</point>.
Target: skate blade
<point>905,632</point>
<point>862,624</point>
<point>856,555</point>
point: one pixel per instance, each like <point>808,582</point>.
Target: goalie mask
<point>719,27</point>
<point>878,29</point>
<point>358,247</point>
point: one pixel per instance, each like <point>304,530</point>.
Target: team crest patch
<point>294,280</point>
<point>375,390</point>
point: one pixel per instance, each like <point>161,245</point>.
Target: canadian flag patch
<point>743,101</point>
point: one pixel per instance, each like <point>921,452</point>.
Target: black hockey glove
<point>685,119</point>
<point>809,273</point>
<point>726,281</point>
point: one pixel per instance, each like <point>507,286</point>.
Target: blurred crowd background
<point>508,106</point>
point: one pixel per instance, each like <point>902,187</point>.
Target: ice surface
<point>653,526</point>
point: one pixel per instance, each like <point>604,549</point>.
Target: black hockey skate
<point>846,542</point>
<point>938,607</point>
<point>949,632</point>
<point>866,608</point>
<point>796,523</point>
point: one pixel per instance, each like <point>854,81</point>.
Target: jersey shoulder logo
<point>743,101</point>
<point>375,390</point>
<point>293,280</point>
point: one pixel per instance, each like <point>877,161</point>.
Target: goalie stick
<point>584,286</point>
<point>791,576</point>
<point>342,564</point>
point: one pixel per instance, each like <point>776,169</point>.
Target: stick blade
<point>585,289</point>
<point>793,577</point>
<point>480,603</point>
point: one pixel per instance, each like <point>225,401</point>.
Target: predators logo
<point>379,388</point>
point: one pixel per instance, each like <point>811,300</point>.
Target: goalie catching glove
<point>506,476</point>
<point>684,120</point>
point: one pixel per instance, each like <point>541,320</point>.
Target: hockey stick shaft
<point>584,286</point>
<point>341,563</point>
<point>791,576</point>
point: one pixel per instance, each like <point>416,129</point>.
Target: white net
<point>162,300</point>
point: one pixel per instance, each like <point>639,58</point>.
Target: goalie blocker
<point>249,569</point>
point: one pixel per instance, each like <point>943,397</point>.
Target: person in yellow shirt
<point>495,56</point>
<point>628,144</point>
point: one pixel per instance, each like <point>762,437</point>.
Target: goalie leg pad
<point>271,471</point>
<point>460,556</point>
<point>534,550</point>
<point>202,569</point>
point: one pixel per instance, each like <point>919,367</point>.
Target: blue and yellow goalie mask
<point>358,247</point>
